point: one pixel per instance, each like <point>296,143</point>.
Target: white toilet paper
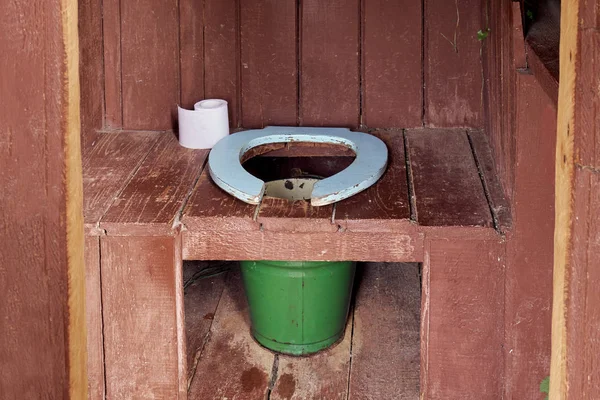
<point>205,125</point>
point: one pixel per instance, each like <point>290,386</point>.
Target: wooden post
<point>42,323</point>
<point>576,305</point>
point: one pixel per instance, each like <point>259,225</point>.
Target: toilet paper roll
<point>205,125</point>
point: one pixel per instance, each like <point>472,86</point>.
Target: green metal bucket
<point>300,307</point>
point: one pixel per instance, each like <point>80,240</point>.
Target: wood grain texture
<point>108,167</point>
<point>548,82</point>
<point>269,72</point>
<point>149,62</point>
<point>326,246</point>
<point>140,338</point>
<point>232,365</point>
<point>453,70</point>
<point>446,183</point>
<point>91,70</point>
<point>320,376</point>
<point>201,300</point>
<point>42,288</point>
<point>210,208</point>
<point>499,205</point>
<point>191,51</point>
<point>222,54</point>
<point>153,198</point>
<point>295,216</point>
<point>386,345</point>
<point>392,81</point>
<point>93,305</point>
<point>111,30</point>
<point>387,202</point>
<point>329,65</point>
<point>462,320</point>
<point>529,257</point>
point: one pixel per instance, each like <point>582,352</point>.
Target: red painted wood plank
<point>462,323</point>
<point>232,364</point>
<point>93,305</point>
<point>329,84</point>
<point>453,70</point>
<point>191,51</point>
<point>150,67</point>
<point>386,202</point>
<point>269,63</point>
<point>295,216</point>
<point>108,167</point>
<point>212,209</point>
<point>139,296</point>
<point>386,345</point>
<point>111,30</point>
<point>222,54</point>
<point>446,183</point>
<point>392,59</point>
<point>153,198</point>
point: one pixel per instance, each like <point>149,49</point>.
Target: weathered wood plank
<point>232,365</point>
<point>191,51</point>
<point>320,376</point>
<point>392,59</point>
<point>139,296</point>
<point>149,63</point>
<point>462,323</point>
<point>210,208</point>
<point>269,59</point>
<point>107,168</point>
<point>93,306</point>
<point>446,183</point>
<point>295,216</point>
<point>152,200</point>
<point>329,84</point>
<point>111,33</point>
<point>385,204</point>
<point>453,70</point>
<point>201,300</point>
<point>222,54</point>
<point>302,246</point>
<point>386,345</point>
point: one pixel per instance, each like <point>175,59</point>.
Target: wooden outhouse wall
<point>369,63</point>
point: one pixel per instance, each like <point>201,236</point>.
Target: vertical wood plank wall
<point>359,63</point>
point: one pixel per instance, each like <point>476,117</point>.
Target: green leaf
<point>545,385</point>
<point>529,14</point>
<point>482,35</point>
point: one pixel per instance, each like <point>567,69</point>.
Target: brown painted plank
<point>446,182</point>
<point>385,345</point>
<point>150,67</point>
<point>392,59</point>
<point>152,200</point>
<point>140,316</point>
<point>302,246</point>
<point>232,364</point>
<point>462,321</point>
<point>210,208</point>
<point>269,70</point>
<point>191,51</point>
<point>295,216</point>
<point>93,305</point>
<point>107,168</point>
<point>111,30</point>
<point>201,298</point>
<point>42,287</point>
<point>222,54</point>
<point>453,70</point>
<point>500,207</point>
<point>386,204</point>
<point>329,84</point>
<point>320,376</point>
<point>91,70</point>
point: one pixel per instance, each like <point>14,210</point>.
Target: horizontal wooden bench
<point>150,204</point>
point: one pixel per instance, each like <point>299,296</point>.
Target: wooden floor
<point>378,357</point>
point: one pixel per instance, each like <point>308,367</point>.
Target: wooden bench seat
<point>150,204</point>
